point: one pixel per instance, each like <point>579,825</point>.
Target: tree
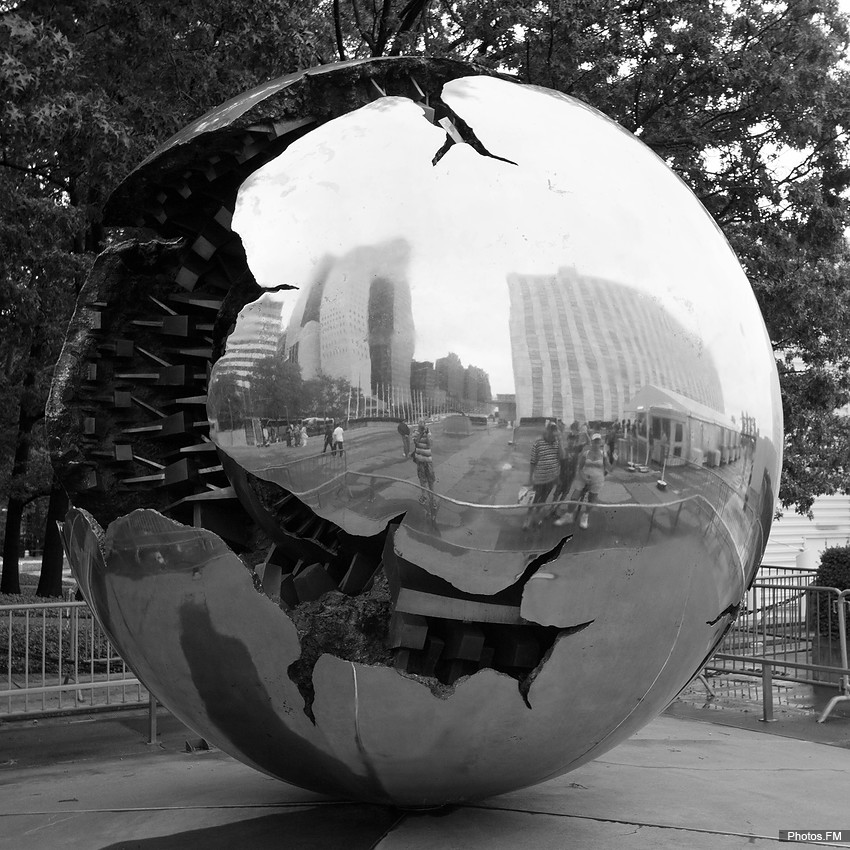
<point>277,390</point>
<point>37,290</point>
<point>226,401</point>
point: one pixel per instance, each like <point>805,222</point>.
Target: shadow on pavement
<point>305,829</point>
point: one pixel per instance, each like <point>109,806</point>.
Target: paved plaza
<point>696,777</point>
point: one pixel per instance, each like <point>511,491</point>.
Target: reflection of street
<point>478,477</point>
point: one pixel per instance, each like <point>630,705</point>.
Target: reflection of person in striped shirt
<point>544,468</point>
<point>424,462</point>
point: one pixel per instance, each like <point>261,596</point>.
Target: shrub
<point>834,571</point>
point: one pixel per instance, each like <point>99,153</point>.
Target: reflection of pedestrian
<point>544,467</point>
<point>296,433</point>
<point>303,441</point>
<point>404,430</point>
<point>424,460</point>
<point>338,439</point>
<point>572,446</point>
<point>329,438</point>
<point>611,441</point>
<point>593,467</point>
<point>663,448</point>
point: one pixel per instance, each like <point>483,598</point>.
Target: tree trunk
<point>50,580</point>
<point>11,580</point>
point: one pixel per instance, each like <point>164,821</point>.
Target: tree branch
<point>32,172</point>
<point>338,32</point>
<point>358,22</point>
<point>409,14</point>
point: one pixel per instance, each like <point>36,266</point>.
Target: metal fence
<point>789,629</point>
<point>57,658</point>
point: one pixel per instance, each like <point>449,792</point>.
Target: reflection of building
<point>423,378</point>
<point>476,384</point>
<point>506,405</point>
<point>582,347</point>
<point>255,337</point>
<point>355,320</point>
<point>468,387</point>
<point>450,375</point>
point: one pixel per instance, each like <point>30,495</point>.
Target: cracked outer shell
<point>184,613</point>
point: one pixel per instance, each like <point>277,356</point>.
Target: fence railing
<point>792,630</point>
<point>57,658</point>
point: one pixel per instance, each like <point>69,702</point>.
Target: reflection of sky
<point>585,195</point>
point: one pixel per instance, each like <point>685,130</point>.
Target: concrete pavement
<point>94,783</point>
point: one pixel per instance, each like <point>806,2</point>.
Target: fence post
<point>843,599</point>
<point>151,718</point>
<point>767,693</point>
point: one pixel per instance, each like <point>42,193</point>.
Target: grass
<point>47,633</point>
<point>29,585</point>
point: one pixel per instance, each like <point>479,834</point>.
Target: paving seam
<point>124,810</point>
<point>648,824</point>
<point>391,828</point>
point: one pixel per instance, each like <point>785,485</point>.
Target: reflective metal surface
<point>513,365</point>
<point>569,278</point>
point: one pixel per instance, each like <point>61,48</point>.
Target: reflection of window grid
<point>607,343</point>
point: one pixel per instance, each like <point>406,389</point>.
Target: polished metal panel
<point>567,278</point>
<point>510,347</point>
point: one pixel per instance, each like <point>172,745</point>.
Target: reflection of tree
<point>327,396</point>
<point>226,401</point>
<point>276,389</point>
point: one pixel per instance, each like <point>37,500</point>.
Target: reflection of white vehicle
<point>316,424</point>
<point>693,432</point>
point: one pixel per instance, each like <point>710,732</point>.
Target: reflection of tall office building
<point>355,319</point>
<point>450,374</point>
<point>582,347</point>
<point>423,378</point>
<point>255,337</point>
<point>476,384</point>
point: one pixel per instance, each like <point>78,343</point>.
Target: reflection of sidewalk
<point>677,783</point>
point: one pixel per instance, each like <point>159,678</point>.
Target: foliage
<point>279,392</point>
<point>47,636</point>
<point>833,571</point>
